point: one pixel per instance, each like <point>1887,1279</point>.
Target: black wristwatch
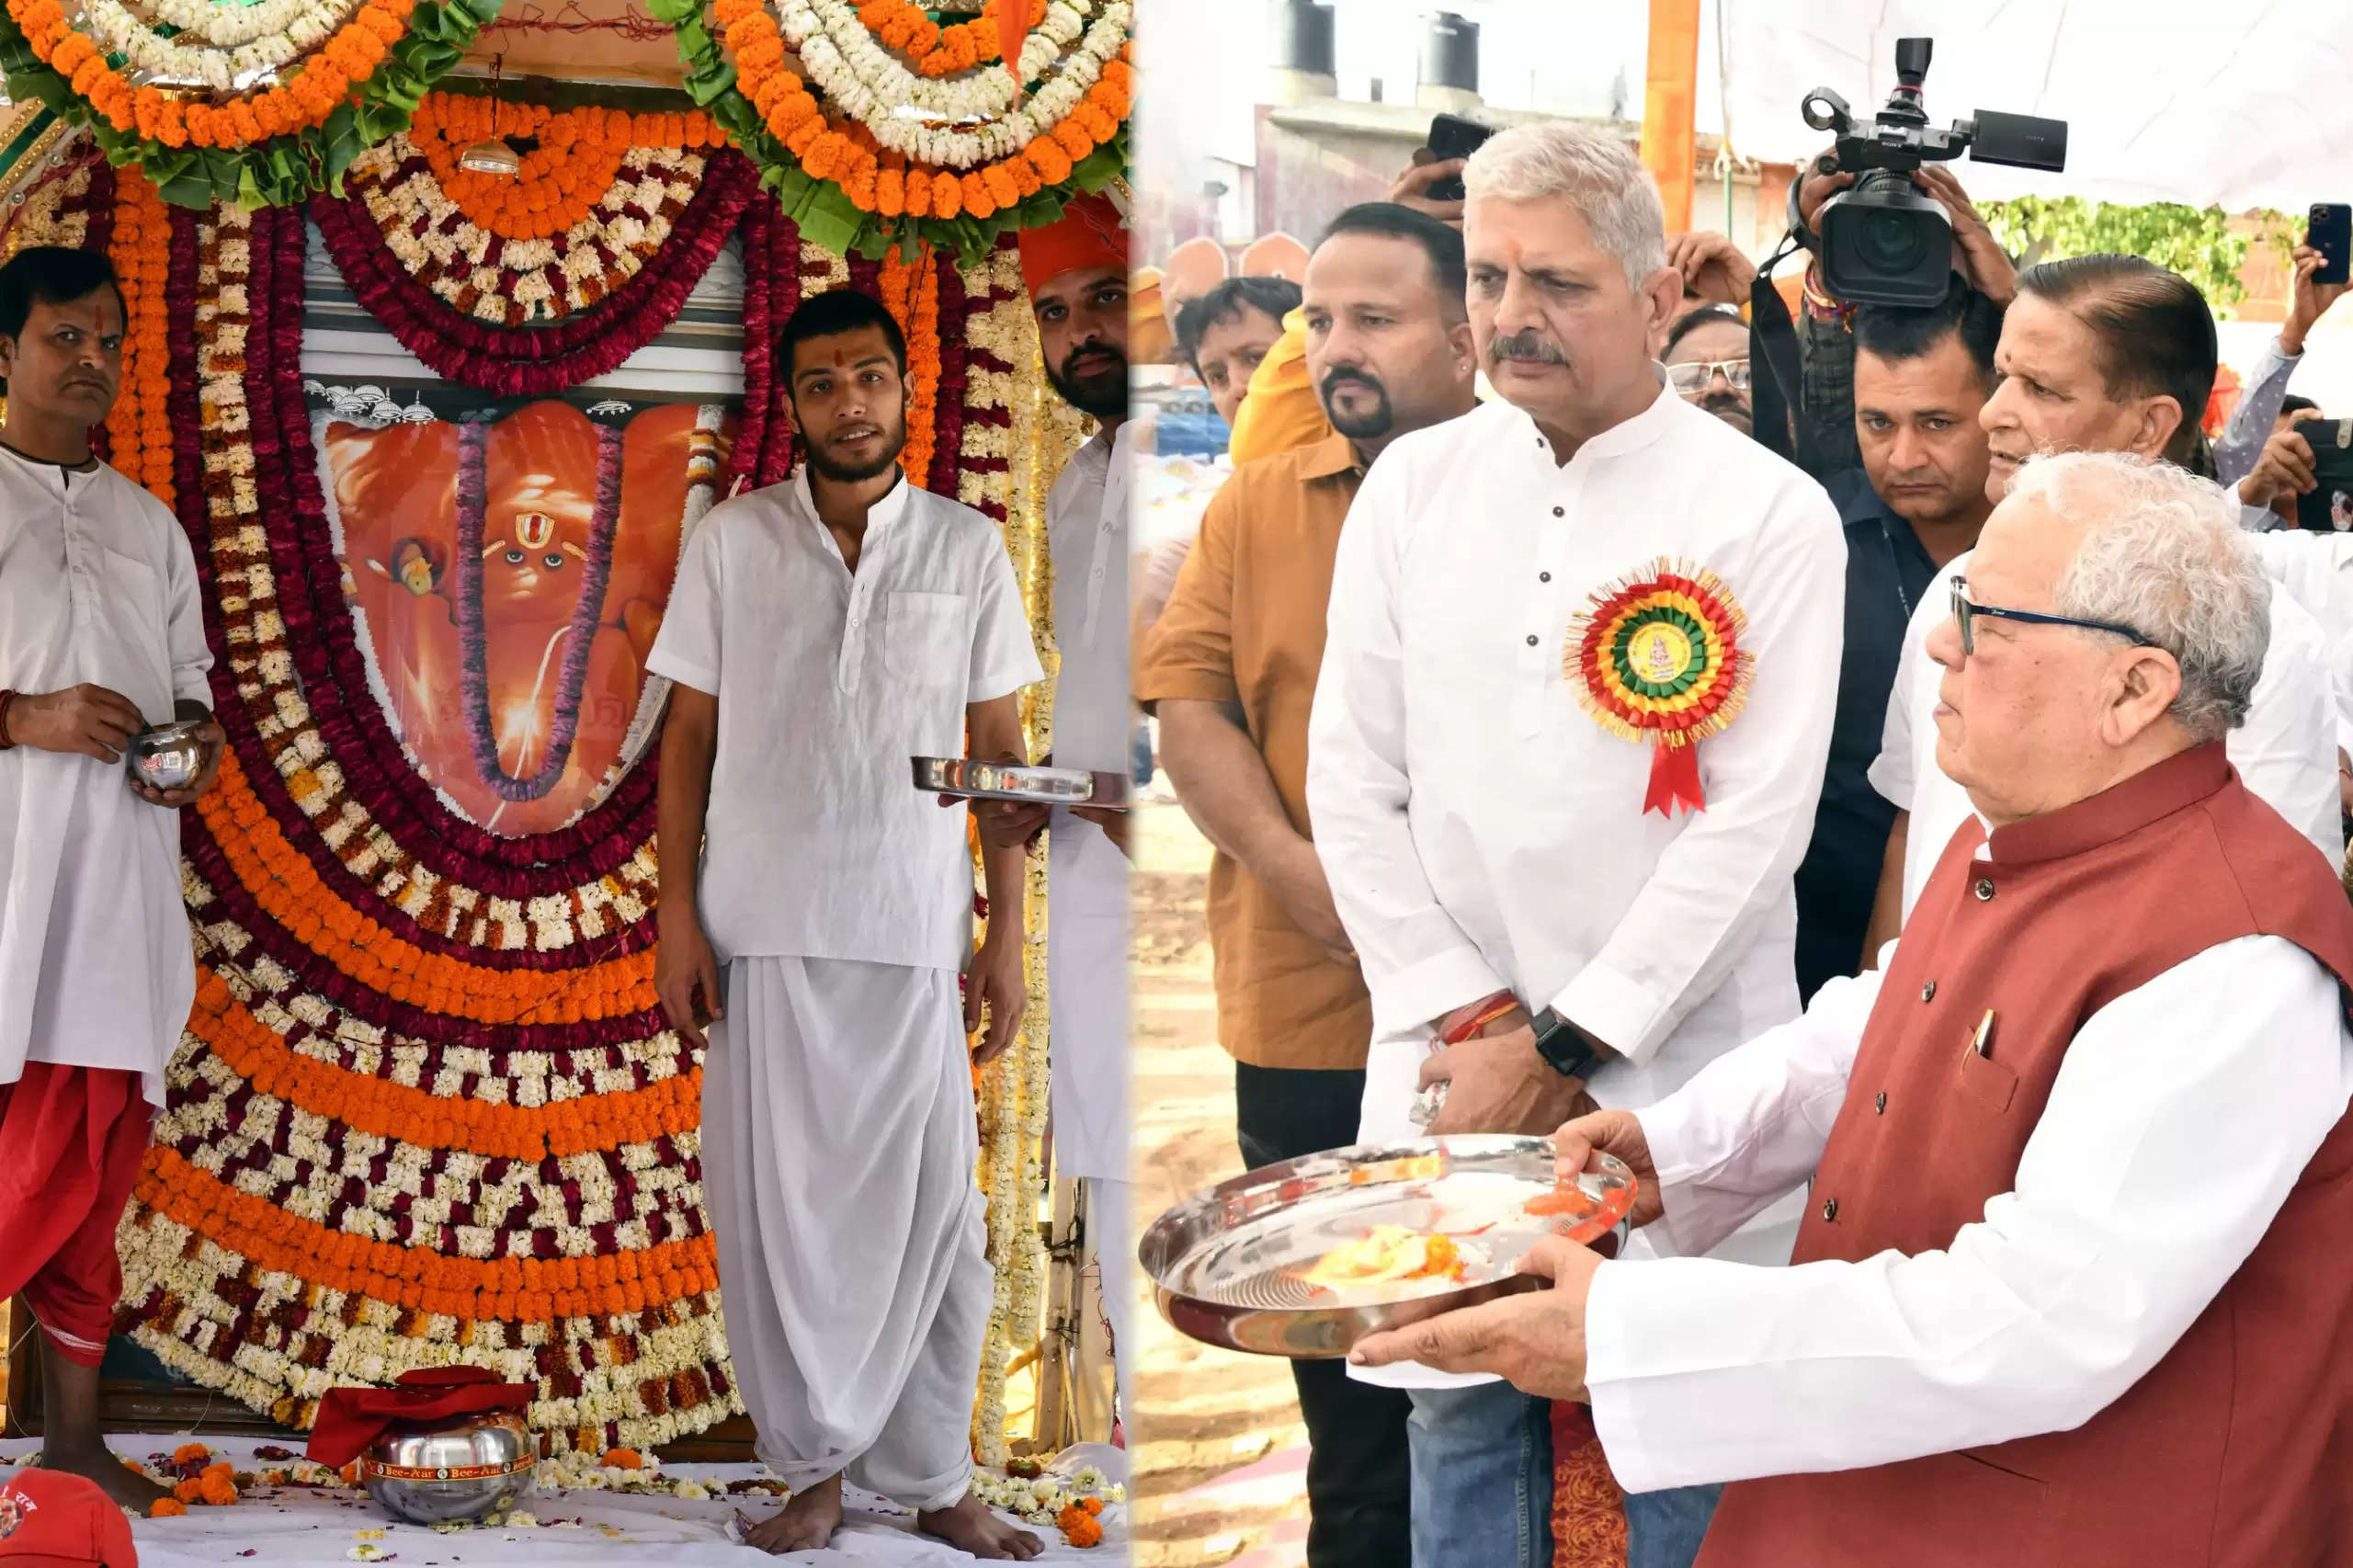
<point>1563,1047</point>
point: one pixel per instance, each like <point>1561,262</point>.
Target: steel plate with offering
<point>971,779</point>
<point>1305,1257</point>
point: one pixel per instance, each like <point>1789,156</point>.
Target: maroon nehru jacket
<point>2236,1450</point>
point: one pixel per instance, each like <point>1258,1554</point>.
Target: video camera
<point>1883,240</point>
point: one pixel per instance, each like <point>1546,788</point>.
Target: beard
<point>894,441</point>
<point>1366,426</point>
<point>1103,393</point>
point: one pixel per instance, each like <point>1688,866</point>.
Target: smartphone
<point>2331,232</point>
<point>1452,136</point>
<point>2327,507</point>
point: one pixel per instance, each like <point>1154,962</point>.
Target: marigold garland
<point>561,180</point>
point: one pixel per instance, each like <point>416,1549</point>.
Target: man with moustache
<point>1077,270</point>
<point>2114,354</point>
<point>1920,377</point>
<point>1232,670</point>
<point>821,633</point>
<point>1521,597</point>
<point>101,636</point>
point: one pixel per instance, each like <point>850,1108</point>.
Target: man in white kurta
<point>1076,271</point>
<point>1483,832</point>
<point>838,1137</point>
<point>101,635</point>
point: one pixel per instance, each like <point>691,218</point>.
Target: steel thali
<point>978,780</point>
<point>1227,1264</point>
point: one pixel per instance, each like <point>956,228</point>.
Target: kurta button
<point>1543,576</point>
<point>1557,512</point>
<point>1830,1208</point>
<point>1929,992</point>
<point>1531,640</point>
<point>1984,890</point>
<point>1878,1107</point>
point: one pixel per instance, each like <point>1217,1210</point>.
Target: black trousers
<point>1358,1483</point>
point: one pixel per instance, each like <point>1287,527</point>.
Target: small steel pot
<point>458,1470</point>
<point>168,756</point>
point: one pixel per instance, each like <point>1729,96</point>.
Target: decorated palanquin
<point>428,1109</point>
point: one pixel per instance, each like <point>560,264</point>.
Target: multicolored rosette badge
<point>1658,659</point>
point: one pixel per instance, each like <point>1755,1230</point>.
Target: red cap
<point>1088,234</point>
<point>50,1519</point>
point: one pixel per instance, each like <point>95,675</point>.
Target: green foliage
<point>2197,243</point>
<point>284,169</point>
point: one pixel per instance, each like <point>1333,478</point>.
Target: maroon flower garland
<point>771,243</point>
<point>947,406</point>
<point>474,501</point>
<point>533,362</point>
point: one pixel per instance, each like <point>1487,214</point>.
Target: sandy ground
<point>1220,1453</point>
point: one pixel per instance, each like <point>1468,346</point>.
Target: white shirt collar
<point>887,510</point>
<point>1656,421</point>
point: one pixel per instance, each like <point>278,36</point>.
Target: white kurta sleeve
<point>191,655</point>
<point>2121,1228</point>
<point>1752,1125</point>
<point>1005,658</point>
<point>1417,962</point>
<point>686,648</point>
<point>1730,864</point>
<point>1891,771</point>
<point>2286,751</point>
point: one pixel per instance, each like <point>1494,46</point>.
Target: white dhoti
<point>1086,987</point>
<point>838,1143</point>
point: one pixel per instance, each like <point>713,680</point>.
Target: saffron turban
<point>1088,234</point>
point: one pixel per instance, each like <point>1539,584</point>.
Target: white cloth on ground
<point>97,586</point>
<point>295,1527</point>
<point>2286,752</point>
<point>828,681</point>
<point>839,1144</point>
<point>2123,1226</point>
<point>1482,832</point>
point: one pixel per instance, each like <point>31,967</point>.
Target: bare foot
<point>806,1523</point>
<point>128,1487</point>
<point>970,1526</point>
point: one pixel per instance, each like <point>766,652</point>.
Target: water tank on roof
<point>1449,78</point>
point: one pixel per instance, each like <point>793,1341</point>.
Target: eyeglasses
<point>1692,379</point>
<point>1966,611</point>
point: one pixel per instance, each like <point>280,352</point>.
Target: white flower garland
<point>228,26</point>
<point>293,28</point>
<point>861,79</point>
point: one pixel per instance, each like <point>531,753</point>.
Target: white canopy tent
<point>2237,105</point>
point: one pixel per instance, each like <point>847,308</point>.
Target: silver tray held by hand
<point>1227,1265</point>
<point>975,780</point>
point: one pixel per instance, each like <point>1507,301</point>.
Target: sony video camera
<point>1883,240</point>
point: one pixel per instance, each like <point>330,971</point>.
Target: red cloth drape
<point>350,1419</point>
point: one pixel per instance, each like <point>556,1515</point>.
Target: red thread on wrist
<point>1494,1008</point>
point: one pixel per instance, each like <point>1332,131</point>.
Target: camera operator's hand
<point>1818,187</point>
<point>2310,301</point>
<point>1977,254</point>
<point>2286,466</point>
<point>1713,267</point>
<point>1413,186</point>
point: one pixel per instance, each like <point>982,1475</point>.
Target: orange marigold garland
<point>562,179</point>
<point>139,429</point>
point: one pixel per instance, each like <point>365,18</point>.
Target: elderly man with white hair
<point>2072,1286</point>
<point>1565,748</point>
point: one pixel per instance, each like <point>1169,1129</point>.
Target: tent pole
<point>1670,88</point>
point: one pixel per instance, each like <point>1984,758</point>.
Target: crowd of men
<point>1997,900</point>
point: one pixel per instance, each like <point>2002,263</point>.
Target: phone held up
<point>1452,136</point>
<point>2327,506</point>
<point>2331,233</point>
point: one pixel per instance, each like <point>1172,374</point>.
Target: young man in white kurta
<point>1482,832</point>
<point>838,1131</point>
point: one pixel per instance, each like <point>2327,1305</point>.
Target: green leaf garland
<point>284,169</point>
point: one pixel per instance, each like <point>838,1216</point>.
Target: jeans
<point>1482,1478</point>
<point>1663,1529</point>
<point>1358,1476</point>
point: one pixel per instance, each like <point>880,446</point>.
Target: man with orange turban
<point>1077,270</point>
